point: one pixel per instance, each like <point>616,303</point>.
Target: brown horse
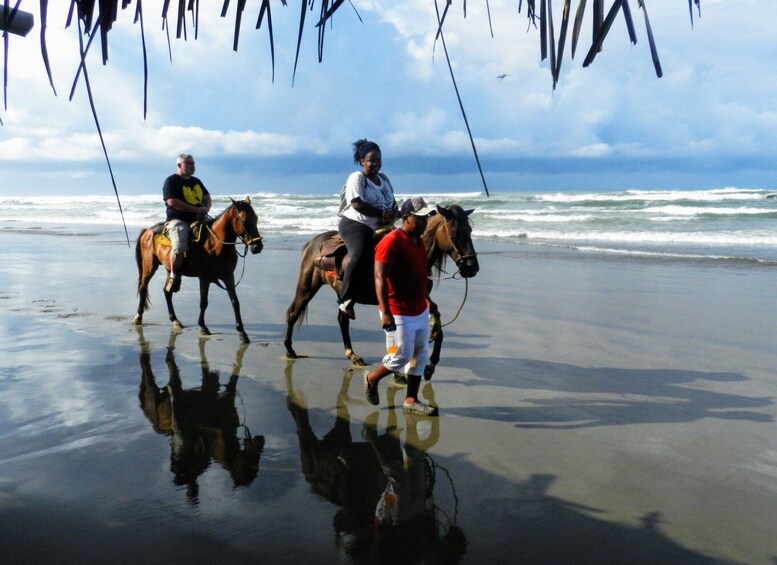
<point>212,259</point>
<point>448,234</point>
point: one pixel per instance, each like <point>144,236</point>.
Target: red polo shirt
<point>407,278</point>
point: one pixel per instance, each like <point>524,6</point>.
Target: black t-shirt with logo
<point>190,190</point>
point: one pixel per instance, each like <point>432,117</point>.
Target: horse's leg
<point>230,286</point>
<point>345,323</point>
<point>204,289</point>
<point>171,311</point>
<point>308,284</point>
<point>436,337</point>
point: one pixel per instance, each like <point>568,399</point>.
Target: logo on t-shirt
<point>193,194</point>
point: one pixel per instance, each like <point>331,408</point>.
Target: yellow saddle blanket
<point>194,235</point>
<point>163,240</point>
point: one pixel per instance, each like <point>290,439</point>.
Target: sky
<point>709,122</point>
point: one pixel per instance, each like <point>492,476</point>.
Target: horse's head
<point>452,234</point>
<point>245,224</point>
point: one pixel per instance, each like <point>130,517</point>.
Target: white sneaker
<point>419,409</point>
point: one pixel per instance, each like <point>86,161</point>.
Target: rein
<point>245,241</point>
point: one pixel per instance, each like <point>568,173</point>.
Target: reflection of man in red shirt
<point>401,287</point>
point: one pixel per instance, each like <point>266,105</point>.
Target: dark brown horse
<point>212,259</point>
<point>448,234</point>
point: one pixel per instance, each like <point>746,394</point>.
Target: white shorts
<point>412,345</point>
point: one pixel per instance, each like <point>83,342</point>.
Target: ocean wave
<point>641,253</point>
<point>686,238</point>
<point>546,218</point>
<point>655,195</point>
<point>714,221</point>
<point>674,210</point>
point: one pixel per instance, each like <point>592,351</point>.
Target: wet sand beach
<point>592,410</point>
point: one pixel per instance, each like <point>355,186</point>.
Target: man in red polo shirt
<point>401,287</point>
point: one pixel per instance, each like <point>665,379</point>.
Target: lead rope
<point>453,276</point>
<point>464,300</point>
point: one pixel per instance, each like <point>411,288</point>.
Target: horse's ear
<point>248,200</point>
<point>443,211</point>
<point>468,212</point>
<point>233,200</point>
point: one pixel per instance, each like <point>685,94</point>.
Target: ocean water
<point>728,224</point>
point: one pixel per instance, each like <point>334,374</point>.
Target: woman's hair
<point>361,148</point>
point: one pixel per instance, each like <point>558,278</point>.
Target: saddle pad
<point>162,239</point>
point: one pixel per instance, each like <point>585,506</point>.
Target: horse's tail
<point>139,261</point>
<point>307,286</point>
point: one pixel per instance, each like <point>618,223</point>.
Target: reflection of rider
<point>202,423</point>
<point>370,204</point>
<point>365,478</point>
<point>186,200</point>
<point>341,470</point>
<point>406,521</point>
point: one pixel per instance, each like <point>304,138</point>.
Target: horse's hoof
<point>357,361</point>
<point>177,325</point>
<point>137,320</point>
<point>244,339</point>
<point>428,372</point>
<point>291,354</point>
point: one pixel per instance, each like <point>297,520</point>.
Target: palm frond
<point>562,38</point>
<point>603,30</point>
<point>577,25</point>
<point>651,41</point>
<point>265,10</point>
<point>44,52</point>
<point>629,22</point>
<point>107,12</point>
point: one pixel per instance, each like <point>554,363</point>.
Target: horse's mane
<point>225,210</point>
<point>210,242</point>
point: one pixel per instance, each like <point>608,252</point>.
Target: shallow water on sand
<point>106,456</point>
<point>560,440</point>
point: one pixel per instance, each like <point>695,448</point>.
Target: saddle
<point>332,255</point>
<point>160,237</point>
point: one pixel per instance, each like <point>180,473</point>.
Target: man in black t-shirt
<point>186,200</point>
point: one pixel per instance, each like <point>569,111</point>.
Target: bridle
<point>244,237</point>
<point>458,257</point>
<point>454,251</point>
<point>247,241</point>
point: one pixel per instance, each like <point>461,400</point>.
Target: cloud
<point>596,150</point>
<point>387,79</point>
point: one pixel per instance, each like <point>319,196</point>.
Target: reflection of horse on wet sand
<point>448,234</point>
<point>211,259</point>
<point>202,422</point>
<point>385,490</point>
